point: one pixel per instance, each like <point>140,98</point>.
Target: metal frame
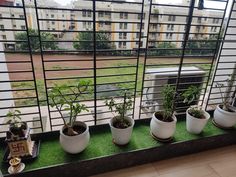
<point>132,62</point>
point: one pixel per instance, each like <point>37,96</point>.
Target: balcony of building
<point>134,48</point>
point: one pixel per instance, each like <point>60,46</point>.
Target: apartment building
<point>122,20</point>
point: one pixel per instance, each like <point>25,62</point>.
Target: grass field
<point>76,68</point>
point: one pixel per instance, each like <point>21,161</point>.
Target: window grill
<point>142,43</point>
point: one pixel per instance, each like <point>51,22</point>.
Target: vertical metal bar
<point>94,62</point>
<point>220,51</point>
<point>32,63</point>
<point>137,64</point>
<point>186,36</point>
<point>42,59</point>
<point>145,56</point>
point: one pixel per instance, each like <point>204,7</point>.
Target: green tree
<point>196,47</point>
<point>164,49</point>
<point>34,41</point>
<point>84,41</point>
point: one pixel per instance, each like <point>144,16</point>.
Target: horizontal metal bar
<point>22,98</point>
<point>23,114</point>
<point>17,107</point>
<point>69,78</point>
<point>18,90</point>
<point>68,69</point>
<point>16,81</point>
<point>15,62</point>
<point>115,75</point>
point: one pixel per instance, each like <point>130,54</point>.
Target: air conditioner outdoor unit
<point>156,78</point>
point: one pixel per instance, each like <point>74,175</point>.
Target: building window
<point>4,37</point>
<point>215,20</point>
<point>12,15</point>
<point>168,35</point>
<point>53,23</point>
<point>125,35</point>
<point>22,27</point>
<point>213,29</point>
<point>124,44</point>
<point>52,15</point>
<point>137,35</point>
<point>205,18</point>
<point>100,14</point>
<point>84,24</point>
<point>171,18</point>
<point>198,28</point>
<point>89,13</point>
<point>63,15</point>
<point>14,26</point>
<point>100,24</point>
<point>120,44</point>
<point>199,19</point>
<point>123,26</point>
<point>89,24</point>
<point>1,26</point>
<point>123,15</point>
<point>84,13</point>
<point>21,16</point>
<point>138,26</point>
<point>170,27</point>
<point>120,35</point>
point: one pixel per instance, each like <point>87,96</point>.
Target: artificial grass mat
<point>101,145</point>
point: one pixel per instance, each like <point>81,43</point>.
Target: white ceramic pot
<point>121,136</point>
<point>75,144</point>
<point>195,125</point>
<point>224,118</point>
<point>161,129</point>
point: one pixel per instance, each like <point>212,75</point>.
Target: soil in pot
<point>229,109</point>
<point>20,130</point>
<point>202,116</point>
<point>160,117</point>
<point>121,123</point>
<point>77,128</point>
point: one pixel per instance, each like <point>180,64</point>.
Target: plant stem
<point>123,116</point>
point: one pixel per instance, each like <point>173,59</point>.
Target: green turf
<point>101,145</point>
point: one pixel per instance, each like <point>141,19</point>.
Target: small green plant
<point>225,96</point>
<point>17,127</point>
<point>168,93</point>
<point>191,94</point>
<point>121,109</point>
<point>196,112</point>
<point>14,117</point>
<point>65,98</point>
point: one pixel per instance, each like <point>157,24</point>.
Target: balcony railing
<point>34,59</point>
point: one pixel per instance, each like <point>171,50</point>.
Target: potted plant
<point>225,114</point>
<point>74,135</point>
<point>163,122</point>
<point>196,117</point>
<point>17,127</point>
<point>121,125</point>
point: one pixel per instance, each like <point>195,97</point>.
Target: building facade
<point>121,20</point>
